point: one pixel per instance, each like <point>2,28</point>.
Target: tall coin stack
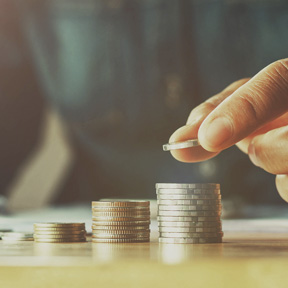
<point>189,213</point>
<point>120,221</point>
<point>59,232</point>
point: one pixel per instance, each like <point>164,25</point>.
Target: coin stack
<point>189,213</point>
<point>59,232</point>
<point>120,221</point>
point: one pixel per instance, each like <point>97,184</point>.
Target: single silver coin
<point>190,240</point>
<point>175,224</point>
<point>187,186</point>
<point>189,213</point>
<point>129,240</point>
<point>120,223</point>
<point>189,229</point>
<point>189,207</point>
<point>120,228</point>
<point>188,202</point>
<point>120,236</point>
<point>120,214</point>
<point>197,191</point>
<point>188,219</point>
<point>105,231</point>
<point>120,218</point>
<point>121,209</point>
<point>18,234</point>
<point>9,238</point>
<point>187,197</point>
<point>181,145</point>
<point>191,235</point>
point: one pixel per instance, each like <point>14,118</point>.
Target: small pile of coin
<point>59,232</point>
<point>120,221</point>
<point>17,236</point>
<point>189,213</point>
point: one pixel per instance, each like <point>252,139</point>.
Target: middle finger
<point>269,151</point>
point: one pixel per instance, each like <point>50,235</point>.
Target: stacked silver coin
<point>189,213</point>
<point>120,221</point>
<point>59,232</point>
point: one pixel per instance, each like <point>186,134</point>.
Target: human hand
<point>251,113</point>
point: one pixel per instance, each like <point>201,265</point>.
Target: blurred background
<point>90,91</point>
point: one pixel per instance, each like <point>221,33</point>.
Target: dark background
<point>124,75</point>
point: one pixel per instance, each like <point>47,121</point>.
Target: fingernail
<point>216,134</point>
<point>252,154</point>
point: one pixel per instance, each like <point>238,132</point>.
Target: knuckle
<point>278,74</point>
<point>250,106</point>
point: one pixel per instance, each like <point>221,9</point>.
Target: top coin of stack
<point>189,213</point>
<point>120,221</point>
<point>59,232</point>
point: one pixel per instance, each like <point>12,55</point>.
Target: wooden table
<point>243,260</point>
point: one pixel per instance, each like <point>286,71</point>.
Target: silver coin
<point>189,213</point>
<point>189,229</point>
<point>120,236</point>
<point>120,223</point>
<point>18,234</point>
<point>120,228</point>
<point>188,219</point>
<point>191,235</point>
<point>188,191</point>
<point>120,203</point>
<point>176,224</point>
<point>40,237</point>
<point>120,214</point>
<point>187,197</point>
<point>181,145</point>
<point>190,240</point>
<point>8,238</point>
<point>129,240</point>
<point>119,219</point>
<point>189,207</point>
<point>60,240</point>
<point>188,202</point>
<point>117,232</point>
<point>121,209</point>
<point>187,185</point>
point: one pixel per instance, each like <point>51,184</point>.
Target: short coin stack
<point>120,221</point>
<point>59,232</point>
<point>189,213</point>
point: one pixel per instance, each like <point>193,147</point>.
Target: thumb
<point>263,98</point>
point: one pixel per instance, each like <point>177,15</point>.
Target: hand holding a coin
<point>251,113</point>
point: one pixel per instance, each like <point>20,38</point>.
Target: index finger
<point>262,99</point>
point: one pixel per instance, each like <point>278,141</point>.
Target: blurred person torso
<point>125,74</point>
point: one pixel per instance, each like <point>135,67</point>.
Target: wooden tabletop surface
<point>247,259</point>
